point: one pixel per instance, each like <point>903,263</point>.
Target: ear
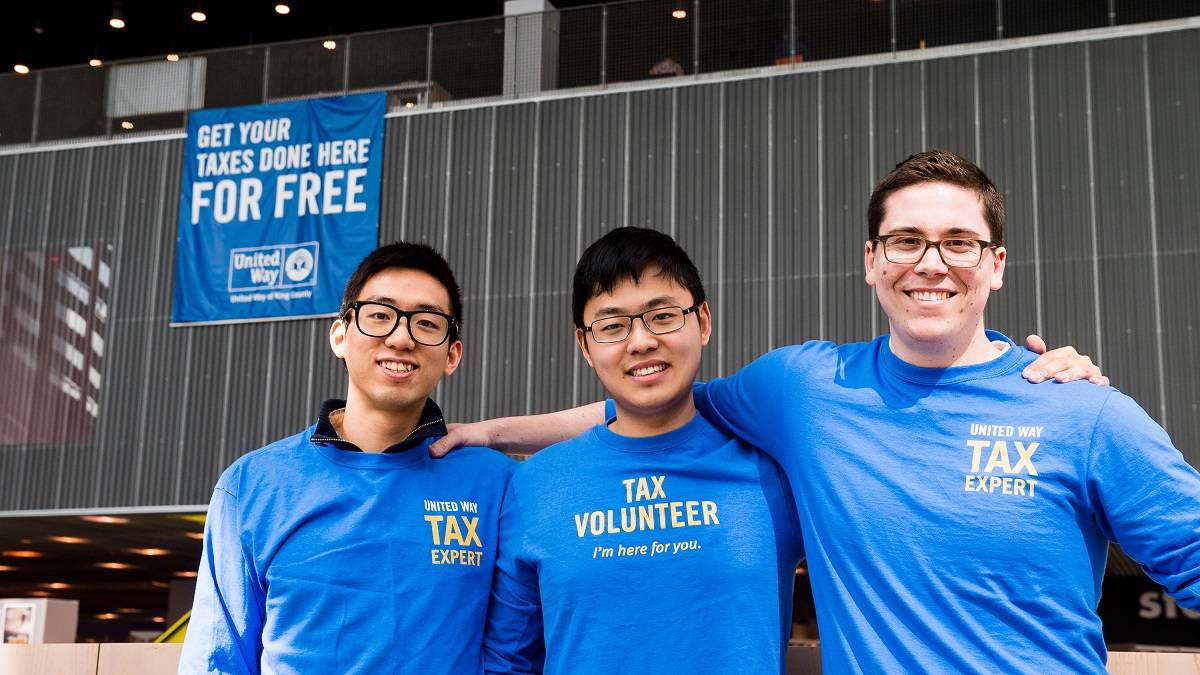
<point>337,338</point>
<point>869,262</point>
<point>453,357</point>
<point>1000,259</point>
<point>704,317</point>
<point>581,342</point>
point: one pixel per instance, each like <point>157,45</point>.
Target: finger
<point>440,447</point>
<point>1035,344</point>
<point>1077,373</point>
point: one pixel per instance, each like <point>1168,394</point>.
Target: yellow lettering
<point>710,513</point>
<point>999,458</point>
<point>693,513</point>
<point>1026,458</point>
<point>433,525</point>
<point>643,489</point>
<point>1032,485</point>
<point>993,483</point>
<point>676,514</point>
<point>1019,486</point>
<point>968,487</point>
<point>452,532</point>
<point>977,447</point>
<point>1007,487</point>
<point>472,535</point>
<point>658,487</point>
<point>581,523</point>
<point>628,482</point>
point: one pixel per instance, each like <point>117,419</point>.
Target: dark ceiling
<point>45,35</point>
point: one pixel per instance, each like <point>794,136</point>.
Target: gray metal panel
<point>1124,242</point>
<point>950,106</point>
<point>470,239</point>
<point>554,354</point>
<point>797,312</point>
<point>699,198</point>
<point>1065,210</point>
<point>747,232</point>
<point>848,179</point>
<point>1006,143</point>
<point>425,195</point>
<point>1174,109</point>
<point>650,162</point>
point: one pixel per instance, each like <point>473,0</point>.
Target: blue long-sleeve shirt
<point>322,559</point>
<point>673,553</point>
<point>957,520</point>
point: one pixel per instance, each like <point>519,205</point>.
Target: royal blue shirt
<point>958,520</point>
<point>672,553</point>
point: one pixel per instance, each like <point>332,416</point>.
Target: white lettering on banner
<point>338,191</point>
<point>265,131</point>
<point>213,135</point>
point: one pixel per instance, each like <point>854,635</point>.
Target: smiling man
<point>345,548</point>
<point>655,542</point>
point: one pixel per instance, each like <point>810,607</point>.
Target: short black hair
<point>625,254</point>
<point>408,256</point>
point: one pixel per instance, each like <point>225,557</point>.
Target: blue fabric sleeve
<point>224,633</point>
<point>512,640</point>
<point>740,403</point>
<point>1146,497</point>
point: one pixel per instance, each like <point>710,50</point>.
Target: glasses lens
<point>903,249</point>
<point>375,320</point>
<point>960,252</point>
<point>428,328</point>
<point>611,329</point>
<point>664,319</point>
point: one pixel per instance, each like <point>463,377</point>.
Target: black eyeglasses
<point>660,321</point>
<point>379,320</point>
<point>906,249</point>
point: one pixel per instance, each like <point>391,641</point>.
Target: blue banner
<point>279,204</point>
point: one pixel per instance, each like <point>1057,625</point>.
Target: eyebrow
<point>420,307</point>
<point>660,301</point>
<point>954,232</point>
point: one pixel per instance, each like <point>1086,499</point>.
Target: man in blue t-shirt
<point>654,542</point>
<point>345,548</point>
<point>956,517</point>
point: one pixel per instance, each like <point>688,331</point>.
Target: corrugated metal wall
<point>763,180</point>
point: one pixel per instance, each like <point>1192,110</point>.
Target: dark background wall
<point>764,180</point>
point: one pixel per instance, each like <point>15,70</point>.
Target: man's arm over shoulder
<point>512,640</point>
<point>523,434</point>
<point>751,402</point>
<point>225,629</point>
<point>1147,497</point>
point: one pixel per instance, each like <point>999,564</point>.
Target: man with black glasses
<point>345,548</point>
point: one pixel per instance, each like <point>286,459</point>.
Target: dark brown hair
<point>939,166</point>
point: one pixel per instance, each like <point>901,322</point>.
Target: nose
<point>640,338</point>
<point>401,338</point>
<point>931,262</point>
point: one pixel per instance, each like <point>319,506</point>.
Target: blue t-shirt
<point>322,560</point>
<point>957,520</point>
<point>672,553</point>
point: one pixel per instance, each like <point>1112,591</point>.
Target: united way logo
<point>270,267</point>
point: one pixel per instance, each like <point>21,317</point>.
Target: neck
<point>374,430</point>
<point>969,350</point>
<point>640,423</point>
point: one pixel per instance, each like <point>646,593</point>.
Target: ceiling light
<point>40,594</point>
<point>114,566</point>
<point>95,63</point>
<point>23,554</point>
<point>186,575</point>
<point>106,520</point>
<point>21,69</point>
<point>329,44</point>
<point>70,540</point>
<point>117,20</point>
<point>149,551</point>
<point>106,616</point>
<point>409,104</point>
<point>198,15</point>
<point>172,57</point>
<point>198,536</point>
<point>679,13</point>
<point>57,585</point>
<point>158,619</point>
<point>159,584</point>
<point>7,568</point>
<point>126,125</point>
<point>127,610</point>
<point>282,8</point>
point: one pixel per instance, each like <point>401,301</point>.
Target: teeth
<point>638,372</point>
<point>396,367</point>
<point>929,296</point>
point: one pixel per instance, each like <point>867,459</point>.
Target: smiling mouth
<point>397,367</point>
<point>930,296</point>
<point>648,370</point>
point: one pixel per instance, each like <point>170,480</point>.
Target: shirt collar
<point>431,424</point>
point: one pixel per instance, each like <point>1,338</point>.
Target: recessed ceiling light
<point>106,520</point>
<point>149,551</point>
<point>57,585</point>
<point>198,536</point>
<point>114,566</point>
<point>172,57</point>
<point>21,69</point>
<point>159,619</point>
<point>160,584</point>
<point>127,610</point>
<point>282,8</point>
<point>106,616</point>
<point>186,575</point>
<point>95,63</point>
<point>40,594</point>
<point>7,568</point>
<point>22,554</point>
<point>126,124</point>
<point>199,16</point>
<point>70,540</point>
<point>117,20</point>
<point>329,44</point>
<point>679,13</point>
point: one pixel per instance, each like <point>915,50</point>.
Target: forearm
<point>530,433</point>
